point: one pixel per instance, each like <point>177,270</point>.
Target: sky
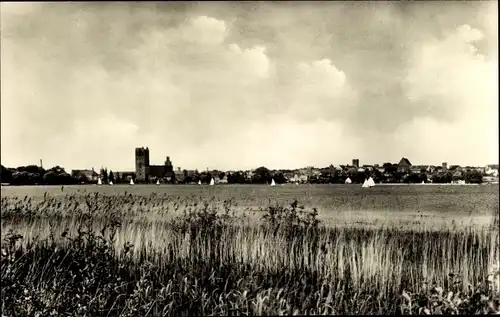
<point>228,85</point>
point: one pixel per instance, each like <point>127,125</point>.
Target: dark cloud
<point>191,78</point>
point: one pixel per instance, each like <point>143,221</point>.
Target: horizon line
<point>249,169</point>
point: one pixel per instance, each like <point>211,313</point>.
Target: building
<point>368,167</point>
<point>491,170</point>
<point>189,173</point>
<point>303,178</point>
<point>355,162</point>
<point>156,172</point>
<point>444,166</point>
<point>141,164</point>
<point>404,165</point>
<point>416,169</point>
<point>179,175</point>
<point>169,170</point>
<point>457,174</point>
<point>90,175</point>
<point>351,170</point>
<point>223,180</point>
<point>144,171</point>
<point>124,176</point>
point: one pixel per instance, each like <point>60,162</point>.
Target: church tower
<point>141,164</point>
<point>169,169</point>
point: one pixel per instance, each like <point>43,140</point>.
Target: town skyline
<point>360,163</point>
<point>234,87</point>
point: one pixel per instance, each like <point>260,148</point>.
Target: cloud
<point>204,30</point>
<point>320,90</point>
<point>247,85</point>
<point>277,142</point>
<point>456,90</point>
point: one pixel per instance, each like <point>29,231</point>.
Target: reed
<point>125,255</point>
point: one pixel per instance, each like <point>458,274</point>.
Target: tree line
<point>36,175</point>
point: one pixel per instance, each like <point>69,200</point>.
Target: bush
<point>453,300</point>
<point>215,263</point>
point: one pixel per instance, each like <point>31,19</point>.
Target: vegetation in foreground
<point>211,262</point>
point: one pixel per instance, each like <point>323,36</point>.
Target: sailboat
<point>348,181</point>
<point>99,182</point>
<point>365,184</point>
<point>158,182</point>
<point>273,183</point>
<point>371,182</point>
<point>212,182</point>
<point>423,182</point>
<point>199,182</point>
<point>131,181</point>
<point>110,182</point>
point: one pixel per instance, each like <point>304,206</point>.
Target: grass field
<point>245,250</point>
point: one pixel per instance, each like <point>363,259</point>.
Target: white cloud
<point>451,78</point>
<point>253,61</point>
<point>320,90</point>
<point>205,30</point>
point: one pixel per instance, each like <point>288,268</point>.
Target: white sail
<point>199,182</point>
<point>212,182</point>
<point>158,182</point>
<point>371,182</point>
<point>131,181</point>
<point>423,182</point>
<point>99,182</point>
<point>273,183</point>
<point>348,181</point>
<point>365,184</point>
<point>110,182</point>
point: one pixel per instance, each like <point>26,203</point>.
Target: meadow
<point>249,250</point>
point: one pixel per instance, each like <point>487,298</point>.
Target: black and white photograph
<point>249,158</point>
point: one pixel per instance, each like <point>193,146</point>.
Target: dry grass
<point>164,255</point>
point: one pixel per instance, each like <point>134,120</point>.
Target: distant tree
<point>188,179</point>
<point>236,178</point>
<point>81,178</point>
<point>58,176</point>
<point>22,178</point>
<point>390,168</point>
<point>205,177</point>
<point>443,178</point>
<point>412,178</point>
<point>34,169</point>
<point>5,175</point>
<point>261,175</point>
<point>279,178</point>
<point>448,177</point>
<point>473,177</point>
<point>337,176</point>
<point>34,176</point>
<point>359,177</point>
<point>105,176</point>
<point>378,176</point>
<point>196,176</point>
